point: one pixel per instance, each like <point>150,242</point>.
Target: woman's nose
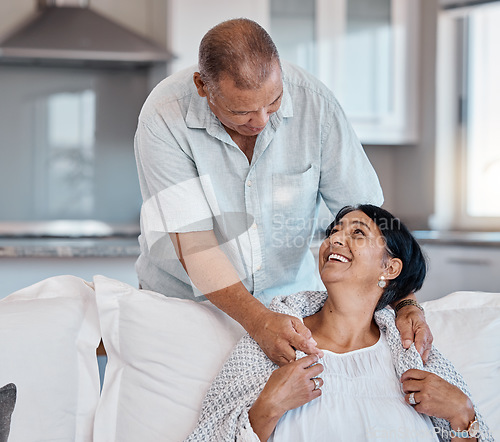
<point>336,238</point>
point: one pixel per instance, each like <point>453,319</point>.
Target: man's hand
<point>411,324</point>
<point>280,335</point>
<point>214,275</point>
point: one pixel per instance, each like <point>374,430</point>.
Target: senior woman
<point>366,386</point>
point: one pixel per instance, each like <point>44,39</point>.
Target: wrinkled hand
<point>291,386</point>
<point>412,326</point>
<point>280,335</point>
<point>436,397</point>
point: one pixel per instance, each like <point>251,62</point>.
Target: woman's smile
<point>355,245</point>
<point>337,257</point>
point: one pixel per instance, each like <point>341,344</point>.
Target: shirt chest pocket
<point>294,195</point>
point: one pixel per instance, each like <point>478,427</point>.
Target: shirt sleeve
<point>174,195</point>
<point>347,176</point>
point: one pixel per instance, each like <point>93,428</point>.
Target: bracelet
<point>406,302</point>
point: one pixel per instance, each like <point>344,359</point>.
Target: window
<point>468,144</point>
<point>481,92</point>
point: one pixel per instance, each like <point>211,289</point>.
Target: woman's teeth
<point>337,257</point>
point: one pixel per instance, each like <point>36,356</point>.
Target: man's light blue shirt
<point>194,177</point>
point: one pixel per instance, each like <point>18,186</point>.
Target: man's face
<point>243,111</point>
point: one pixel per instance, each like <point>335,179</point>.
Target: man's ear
<point>200,85</point>
<point>393,268</point>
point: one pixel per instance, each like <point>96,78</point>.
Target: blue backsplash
<point>66,143</point>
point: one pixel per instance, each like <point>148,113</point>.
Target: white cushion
<point>466,329</point>
<point>163,354</point>
<point>49,333</point>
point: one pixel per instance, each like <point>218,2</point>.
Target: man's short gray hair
<point>239,48</point>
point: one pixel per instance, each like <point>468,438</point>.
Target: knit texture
<point>224,415</point>
<point>8,394</point>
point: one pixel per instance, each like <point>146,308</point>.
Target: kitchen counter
<point>477,239</point>
<point>12,247</point>
<point>128,246</point>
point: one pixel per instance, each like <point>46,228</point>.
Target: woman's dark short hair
<point>401,244</point>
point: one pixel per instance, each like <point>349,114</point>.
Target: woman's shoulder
<point>300,304</point>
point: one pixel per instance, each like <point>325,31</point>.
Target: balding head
<point>240,49</point>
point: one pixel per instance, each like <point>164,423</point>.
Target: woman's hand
<point>280,335</point>
<point>436,397</point>
<point>412,326</point>
<point>289,387</point>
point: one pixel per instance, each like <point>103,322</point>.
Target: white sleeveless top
<point>362,400</point>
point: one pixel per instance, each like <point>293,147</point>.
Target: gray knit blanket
<point>224,415</point>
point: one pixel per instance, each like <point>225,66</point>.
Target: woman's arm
<point>289,387</point>
<point>434,396</point>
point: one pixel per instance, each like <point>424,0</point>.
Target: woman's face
<point>355,252</point>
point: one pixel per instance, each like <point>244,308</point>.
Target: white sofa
<point>162,355</point>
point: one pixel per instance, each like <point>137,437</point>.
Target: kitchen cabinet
<point>365,51</point>
<point>460,268</point>
<point>188,21</point>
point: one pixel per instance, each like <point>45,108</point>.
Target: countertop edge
<point>115,247</point>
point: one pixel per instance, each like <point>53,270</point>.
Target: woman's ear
<point>200,85</point>
<point>393,268</point>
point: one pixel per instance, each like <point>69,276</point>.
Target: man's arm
<point>212,273</point>
<point>410,321</point>
<point>170,179</point>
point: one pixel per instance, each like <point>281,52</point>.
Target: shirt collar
<point>286,108</point>
<point>199,113</point>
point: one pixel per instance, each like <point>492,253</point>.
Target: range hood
<point>76,35</point>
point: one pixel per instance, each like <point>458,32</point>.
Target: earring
<point>382,283</point>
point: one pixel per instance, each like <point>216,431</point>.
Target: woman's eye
<point>359,232</point>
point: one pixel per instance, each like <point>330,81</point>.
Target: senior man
<point>233,157</point>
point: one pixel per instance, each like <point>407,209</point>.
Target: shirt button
<point>249,183</point>
<point>254,226</point>
<point>259,267</point>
